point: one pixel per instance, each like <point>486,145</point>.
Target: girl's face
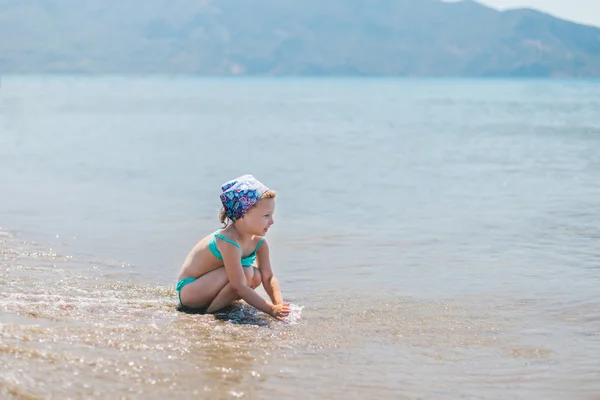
<point>259,218</point>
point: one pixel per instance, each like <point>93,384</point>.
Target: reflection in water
<point>442,236</point>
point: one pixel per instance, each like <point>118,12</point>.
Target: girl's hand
<point>280,311</point>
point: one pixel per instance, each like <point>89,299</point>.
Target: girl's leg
<point>203,290</point>
<point>227,295</point>
<point>256,279</point>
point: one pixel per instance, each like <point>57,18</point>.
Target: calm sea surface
<point>443,237</point>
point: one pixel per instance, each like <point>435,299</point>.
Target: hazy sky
<point>586,11</point>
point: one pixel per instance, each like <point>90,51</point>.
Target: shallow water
<point>441,235</point>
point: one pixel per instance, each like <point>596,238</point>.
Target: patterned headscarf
<point>240,194</point>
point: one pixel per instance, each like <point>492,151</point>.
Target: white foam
<point>295,315</point>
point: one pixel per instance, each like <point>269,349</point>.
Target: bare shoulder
<point>262,241</point>
<point>263,251</point>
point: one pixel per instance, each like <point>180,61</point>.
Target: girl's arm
<point>269,281</point>
<point>235,274</point>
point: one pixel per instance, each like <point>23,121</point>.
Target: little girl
<point>220,268</point>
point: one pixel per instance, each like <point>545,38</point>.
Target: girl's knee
<point>256,279</point>
<point>249,273</point>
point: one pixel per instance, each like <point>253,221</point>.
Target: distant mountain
<point>291,37</point>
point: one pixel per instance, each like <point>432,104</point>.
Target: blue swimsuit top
<point>246,261</point>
